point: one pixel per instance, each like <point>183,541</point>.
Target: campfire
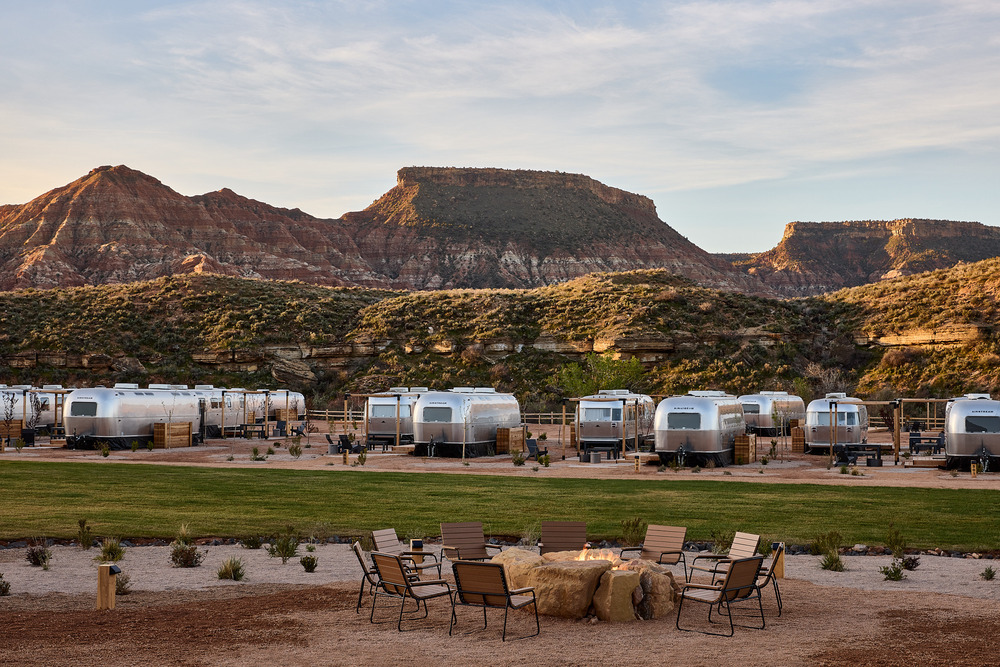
<point>602,554</point>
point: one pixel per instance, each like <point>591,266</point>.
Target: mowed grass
<point>47,499</point>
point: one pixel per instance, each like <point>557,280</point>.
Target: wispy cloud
<point>303,99</point>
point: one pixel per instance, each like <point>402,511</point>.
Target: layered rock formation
<point>817,257</point>
<point>515,228</point>
<point>438,228</point>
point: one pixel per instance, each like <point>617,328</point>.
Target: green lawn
<point>47,499</point>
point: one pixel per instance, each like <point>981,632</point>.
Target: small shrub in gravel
<point>123,584</point>
<point>251,542</point>
<point>232,568</point>
<point>284,546</point>
<point>112,551</point>
<point>39,554</point>
<point>185,555</point>
<point>84,535</point>
<point>831,561</point>
<point>4,587</point>
<point>986,575</point>
<point>893,571</point>
<point>309,563</point>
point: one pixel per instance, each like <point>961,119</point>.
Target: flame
<point>602,554</point>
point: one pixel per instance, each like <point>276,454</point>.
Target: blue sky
<point>734,117</point>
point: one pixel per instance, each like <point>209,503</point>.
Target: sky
<point>734,117</point>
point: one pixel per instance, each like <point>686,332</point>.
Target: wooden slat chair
<point>563,536</point>
<point>533,451</point>
<point>385,541</point>
<point>767,577</point>
<point>744,546</point>
<point>394,581</point>
<point>485,585</point>
<point>465,541</point>
<point>739,585</point>
<point>662,544</point>
<point>369,574</point>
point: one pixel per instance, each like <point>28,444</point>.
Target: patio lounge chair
<point>533,451</point>
<point>744,546</point>
<point>739,584</point>
<point>485,585</point>
<point>768,577</point>
<point>563,536</point>
<point>386,542</point>
<point>465,541</point>
<point>369,574</point>
<point>394,581</point>
<point>662,544</point>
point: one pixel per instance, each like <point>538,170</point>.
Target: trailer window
<point>602,414</point>
<point>683,420</point>
<point>843,419</point>
<point>83,409</point>
<point>982,424</point>
<point>751,409</point>
<point>384,411</point>
<point>437,414</point>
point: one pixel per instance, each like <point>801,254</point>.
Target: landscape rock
<point>613,597</point>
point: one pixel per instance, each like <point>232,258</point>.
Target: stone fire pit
<point>570,584</point>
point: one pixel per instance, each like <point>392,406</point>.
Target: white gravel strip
<point>73,571</point>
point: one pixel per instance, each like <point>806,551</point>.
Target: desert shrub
<point>517,458</point>
<point>893,571</point>
<point>135,445</point>
<point>531,534</point>
<point>123,584</point>
<point>827,543</point>
<point>84,535</point>
<point>183,535</point>
<point>255,455</point>
<point>309,563</point>
<point>39,554</point>
<point>185,555</point>
<point>844,470</point>
<point>105,450</point>
<point>986,575</point>
<point>295,450</point>
<point>722,541</point>
<point>232,568</point>
<point>894,541</point>
<point>284,546</point>
<point>544,459</point>
<point>910,563</point>
<point>270,451</point>
<point>831,561</point>
<point>112,551</point>
<point>149,446</point>
<point>362,457</point>
<point>633,530</point>
<point>251,542</point>
<point>4,587</point>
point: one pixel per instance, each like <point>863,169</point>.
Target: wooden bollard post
<point>106,576</point>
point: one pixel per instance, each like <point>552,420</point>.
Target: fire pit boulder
<point>615,597</point>
<point>563,587</point>
<point>660,590</point>
<point>569,583</point>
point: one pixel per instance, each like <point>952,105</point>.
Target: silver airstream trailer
<point>613,415</point>
<point>771,412</point>
<point>126,413</point>
<point>462,421</point>
<point>698,427</point>
<point>390,415</point>
<point>972,431</point>
<point>852,422</point>
<point>33,407</point>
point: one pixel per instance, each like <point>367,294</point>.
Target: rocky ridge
<point>438,228</point>
<point>818,257</point>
